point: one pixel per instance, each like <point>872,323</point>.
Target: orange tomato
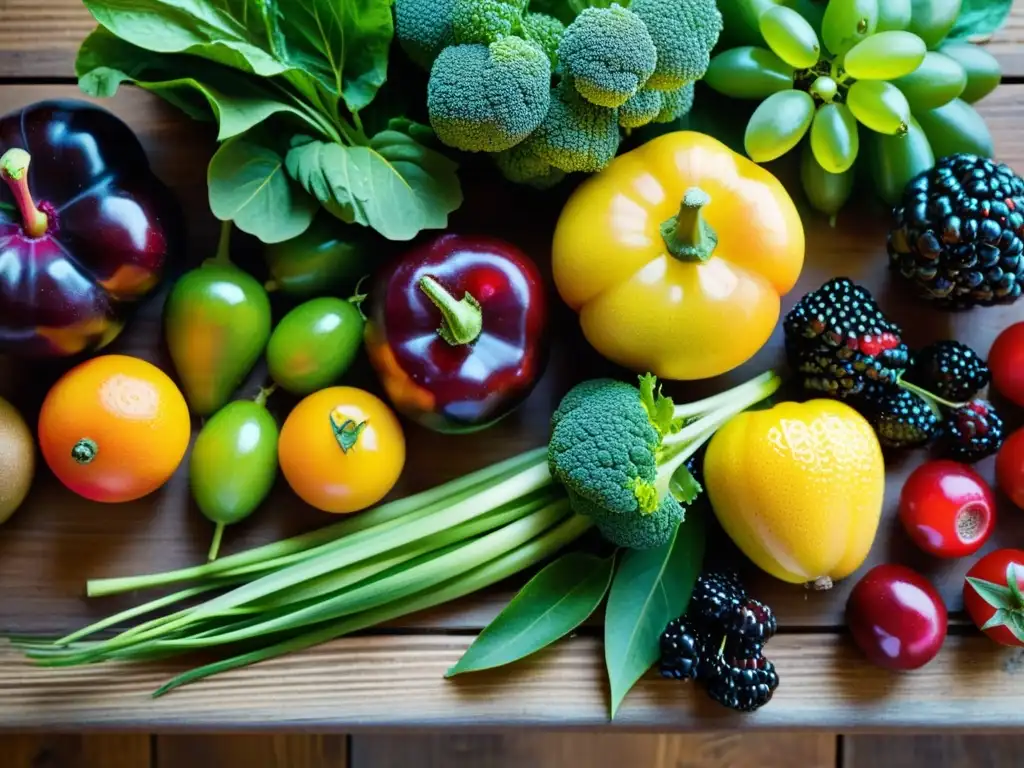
<point>341,449</point>
<point>114,428</point>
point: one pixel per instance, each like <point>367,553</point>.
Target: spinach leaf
<point>551,605</point>
<point>980,18</point>
<point>248,184</point>
<point>651,587</point>
<point>199,89</point>
<point>395,184</point>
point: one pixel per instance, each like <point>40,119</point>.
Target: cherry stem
<point>14,170</point>
<point>687,236</point>
<point>928,396</point>
<point>264,393</point>
<point>461,319</point>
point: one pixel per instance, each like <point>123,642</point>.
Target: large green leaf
<point>980,19</point>
<point>200,89</point>
<point>651,587</point>
<point>395,185</point>
<point>551,605</point>
<point>248,185</point>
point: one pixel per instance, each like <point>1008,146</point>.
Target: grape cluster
<point>858,72</point>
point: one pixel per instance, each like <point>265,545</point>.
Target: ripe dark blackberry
<point>742,684</point>
<point>751,624</point>
<point>949,369</point>
<point>900,418</point>
<point>973,432</point>
<point>838,340</point>
<point>715,597</point>
<point>957,233</point>
<point>683,651</point>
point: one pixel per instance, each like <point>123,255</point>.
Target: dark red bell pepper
<point>86,230</point>
<point>457,331</point>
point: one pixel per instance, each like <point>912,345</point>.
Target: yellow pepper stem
<point>687,236</point>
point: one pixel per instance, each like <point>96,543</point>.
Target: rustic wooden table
<point>394,675</point>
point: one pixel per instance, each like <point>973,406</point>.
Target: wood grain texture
<point>58,541</point>
<point>932,751</point>
<point>374,682</point>
<point>40,38</point>
<point>556,750</point>
<point>75,751</point>
<point>251,751</point>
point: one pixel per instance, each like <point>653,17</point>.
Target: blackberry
<point>949,369</point>
<point>742,684</point>
<point>958,231</point>
<point>683,651</point>
<point>751,624</point>
<point>900,418</point>
<point>973,432</point>
<point>839,340</point>
<point>715,597</point>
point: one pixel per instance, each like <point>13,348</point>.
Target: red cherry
<point>947,509</point>
<point>896,617</point>
<point>1006,361</point>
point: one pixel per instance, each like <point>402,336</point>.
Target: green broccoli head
<point>604,449</point>
<point>486,21</point>
<point>546,31</point>
<point>522,166</point>
<point>675,104</point>
<point>424,28</point>
<point>488,98</point>
<point>576,135</point>
<point>684,32</point>
<point>642,107</point>
<point>609,54</point>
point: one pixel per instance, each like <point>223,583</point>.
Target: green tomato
<point>234,464</point>
<point>895,160</point>
<point>314,344</point>
<point>956,127</point>
<point>328,257</point>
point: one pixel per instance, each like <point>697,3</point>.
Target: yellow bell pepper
<point>676,257</point>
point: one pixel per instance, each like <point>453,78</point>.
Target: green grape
<point>790,36</point>
<point>982,68</point>
<point>748,73</point>
<point>880,106</point>
<point>937,81</point>
<point>895,160</point>
<point>847,22</point>
<point>885,55</point>
<point>825,88</point>
<point>834,138</point>
<point>956,127</point>
<point>931,20</point>
<point>893,14</point>
<point>826,192</point>
<point>778,124</point>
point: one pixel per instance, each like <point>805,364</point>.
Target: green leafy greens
<point>980,19</point>
<point>301,77</point>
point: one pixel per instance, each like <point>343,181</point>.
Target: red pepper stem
<point>14,169</point>
<point>687,236</point>
<point>461,319</point>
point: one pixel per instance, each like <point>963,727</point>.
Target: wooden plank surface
<point>557,750</point>
<point>95,750</point>
<point>372,682</point>
<point>935,751</point>
<point>39,38</point>
<point>251,751</point>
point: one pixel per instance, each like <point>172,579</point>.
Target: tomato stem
<point>14,170</point>
<point>223,255</point>
<point>687,236</point>
<point>264,393</point>
<point>346,432</point>
<point>218,535</point>
<point>84,451</point>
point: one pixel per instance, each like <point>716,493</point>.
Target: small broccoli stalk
<point>687,235</point>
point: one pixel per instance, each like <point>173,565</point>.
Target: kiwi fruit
<point>17,460</point>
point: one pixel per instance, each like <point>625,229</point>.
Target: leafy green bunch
<point>286,82</point>
<point>548,87</point>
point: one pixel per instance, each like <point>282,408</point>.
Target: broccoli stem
<point>687,236</point>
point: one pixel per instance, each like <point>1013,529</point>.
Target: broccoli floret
<point>675,104</point>
<point>684,32</point>
<point>576,135</point>
<point>546,31</point>
<point>522,166</point>
<point>642,107</point>
<point>424,28</point>
<point>485,21</point>
<point>608,53</point>
<point>488,98</point>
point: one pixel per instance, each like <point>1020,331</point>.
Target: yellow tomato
<point>798,488</point>
<point>341,449</point>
